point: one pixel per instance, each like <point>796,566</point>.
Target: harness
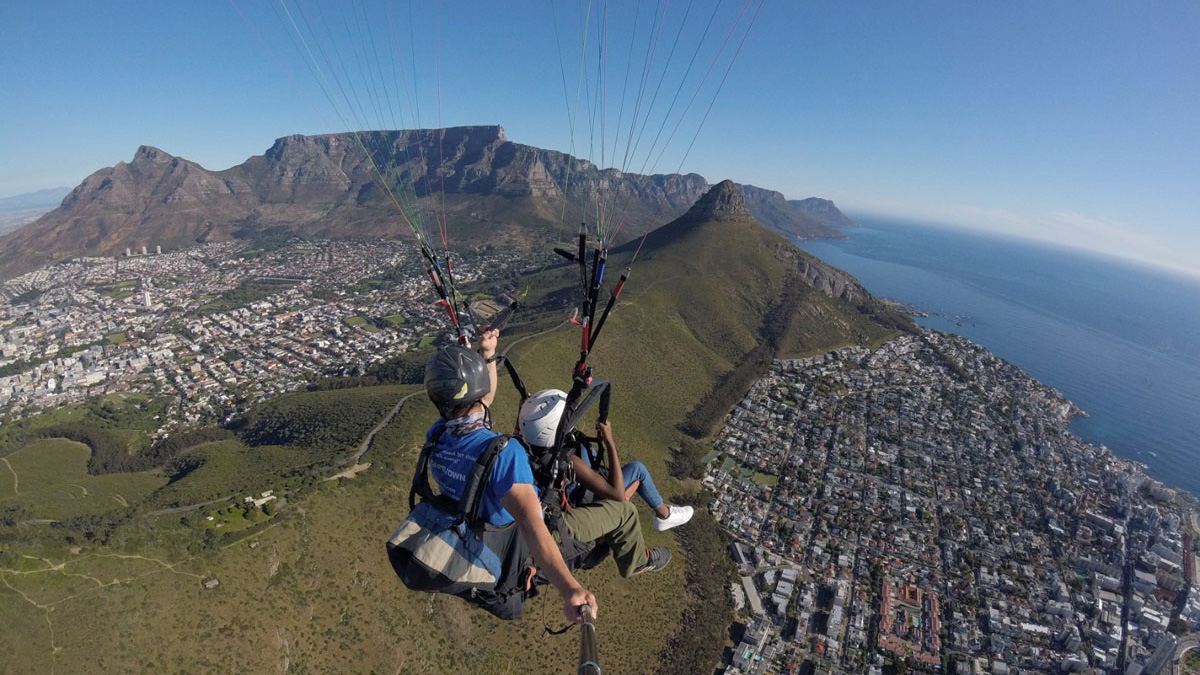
<point>517,578</point>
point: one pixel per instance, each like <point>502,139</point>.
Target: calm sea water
<point>1122,342</point>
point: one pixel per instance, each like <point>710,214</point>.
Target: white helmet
<point>540,415</point>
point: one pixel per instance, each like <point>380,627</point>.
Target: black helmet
<point>456,377</point>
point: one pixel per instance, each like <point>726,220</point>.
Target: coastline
<point>1124,356</point>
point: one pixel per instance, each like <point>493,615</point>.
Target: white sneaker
<point>678,516</point>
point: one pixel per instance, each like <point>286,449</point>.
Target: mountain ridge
<point>324,186</point>
<point>783,216</point>
<point>48,197</point>
<point>823,211</point>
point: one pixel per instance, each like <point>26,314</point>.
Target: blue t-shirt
<point>451,462</point>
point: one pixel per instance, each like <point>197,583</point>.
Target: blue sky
<point>1072,122</point>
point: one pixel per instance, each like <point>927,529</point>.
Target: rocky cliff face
<point>772,209</point>
<point>823,211</point>
<point>328,186</point>
<point>831,280</point>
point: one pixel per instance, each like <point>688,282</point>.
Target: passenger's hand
<point>487,343</point>
<point>574,601</point>
<point>604,432</point>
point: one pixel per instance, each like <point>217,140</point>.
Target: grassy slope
<point>317,427</point>
<point>53,482</point>
<point>317,595</point>
<point>231,468</point>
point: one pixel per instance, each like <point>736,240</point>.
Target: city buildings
<point>214,328</point>
<point>939,515</point>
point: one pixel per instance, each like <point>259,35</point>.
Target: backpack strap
<point>476,483</point>
<point>420,482</point>
<point>595,458</point>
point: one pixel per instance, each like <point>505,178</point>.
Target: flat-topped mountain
<point>487,187</point>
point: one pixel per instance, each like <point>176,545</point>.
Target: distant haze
<point>1174,253</point>
<point>41,199</point>
<point>20,210</point>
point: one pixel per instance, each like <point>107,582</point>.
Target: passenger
<point>539,419</point>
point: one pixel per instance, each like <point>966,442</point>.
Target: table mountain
<point>493,191</point>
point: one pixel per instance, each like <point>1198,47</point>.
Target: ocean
<point>1122,342</point>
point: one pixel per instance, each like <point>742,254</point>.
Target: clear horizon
<point>1068,125</point>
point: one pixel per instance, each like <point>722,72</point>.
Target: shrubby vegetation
<point>887,316</point>
<point>785,330</point>
<point>776,335</point>
<point>687,460</point>
<point>331,421</point>
<point>265,239</point>
<point>183,467</point>
<point>110,452</point>
<point>699,640</point>
<point>169,448</point>
<point>346,382</point>
<point>407,368</point>
<point>116,432</point>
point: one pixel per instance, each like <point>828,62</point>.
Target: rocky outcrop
<point>773,210</point>
<point>723,202</point>
<point>830,280</point>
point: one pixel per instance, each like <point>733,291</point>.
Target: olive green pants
<point>618,521</point>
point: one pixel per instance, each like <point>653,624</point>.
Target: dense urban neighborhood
<point>215,327</point>
<point>923,506</point>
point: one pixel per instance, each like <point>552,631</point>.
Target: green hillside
<point>48,479</point>
<point>309,589</point>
